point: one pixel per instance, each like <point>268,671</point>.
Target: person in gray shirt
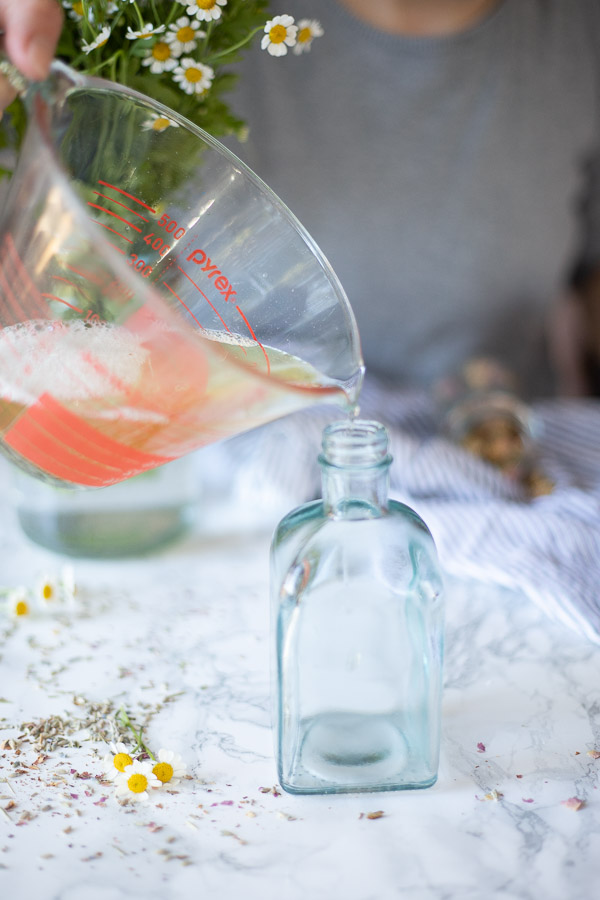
<point>445,156</point>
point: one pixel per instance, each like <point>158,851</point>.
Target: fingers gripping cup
<point>155,295</point>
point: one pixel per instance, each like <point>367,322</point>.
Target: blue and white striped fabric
<point>483,525</point>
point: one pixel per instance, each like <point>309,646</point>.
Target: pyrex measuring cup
<point>155,295</point>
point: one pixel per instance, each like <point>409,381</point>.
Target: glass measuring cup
<point>155,295</point>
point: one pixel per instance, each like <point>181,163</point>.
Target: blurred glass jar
<point>132,518</point>
<point>479,409</point>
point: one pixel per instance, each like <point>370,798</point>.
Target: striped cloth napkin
<point>483,524</point>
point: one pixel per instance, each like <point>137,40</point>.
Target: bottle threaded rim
<point>358,442</point>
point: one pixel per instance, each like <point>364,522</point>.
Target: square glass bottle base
<point>347,752</point>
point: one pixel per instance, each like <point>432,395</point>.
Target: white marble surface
<point>182,638</point>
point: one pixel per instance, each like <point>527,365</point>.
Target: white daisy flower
<point>280,33</point>
<point>182,35</point>
<point>156,122</point>
<point>147,31</point>
<point>308,30</point>
<point>67,584</point>
<point>118,760</point>
<point>193,77</point>
<point>75,10</point>
<point>98,41</point>
<point>169,768</point>
<point>205,10</point>
<point>17,603</point>
<point>48,591</point>
<point>135,782</point>
<point>160,58</point>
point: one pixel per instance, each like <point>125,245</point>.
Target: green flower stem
<point>139,16</point>
<point>140,744</point>
<point>211,59</point>
<point>176,10</point>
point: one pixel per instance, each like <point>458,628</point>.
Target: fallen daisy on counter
<point>51,593</point>
<point>136,770</point>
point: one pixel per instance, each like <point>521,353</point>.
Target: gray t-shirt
<point>452,182</point>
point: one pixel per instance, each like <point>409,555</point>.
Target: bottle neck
<point>355,469</point>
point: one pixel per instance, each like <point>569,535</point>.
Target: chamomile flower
<point>156,122</point>
<point>182,35</point>
<point>68,586</point>
<point>17,603</point>
<point>308,30</point>
<point>99,41</point>
<point>160,58</point>
<point>135,781</point>
<point>48,591</point>
<point>280,33</point>
<point>169,768</point>
<point>116,762</point>
<point>204,10</point>
<point>74,10</point>
<point>147,31</point>
<point>193,77</point>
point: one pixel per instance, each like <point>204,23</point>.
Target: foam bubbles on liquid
<point>71,360</point>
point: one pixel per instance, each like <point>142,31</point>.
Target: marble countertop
<point>181,639</point>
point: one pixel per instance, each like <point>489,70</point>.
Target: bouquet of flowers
<point>181,53</point>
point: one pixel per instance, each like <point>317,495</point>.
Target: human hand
<point>31,29</point>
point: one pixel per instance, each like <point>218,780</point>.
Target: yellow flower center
<point>278,34</point>
<point>185,34</point>
<point>163,771</point>
<point>47,592</point>
<point>137,783</point>
<point>303,35</point>
<point>193,75</point>
<point>21,608</point>
<point>205,4</point>
<point>161,51</point>
<point>121,760</point>
<point>160,123</point>
<point>78,7</point>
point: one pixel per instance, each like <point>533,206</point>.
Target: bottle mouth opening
<point>361,442</point>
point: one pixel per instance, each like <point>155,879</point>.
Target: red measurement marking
<point>12,298</point>
<point>60,300</point>
<point>125,194</point>
<point>256,339</point>
<point>108,228</point>
<point>90,276</point>
<point>119,249</point>
<point>19,287</point>
<point>198,288</point>
<point>199,324</point>
<point>114,215</point>
<point>19,266</point>
<point>105,372</point>
<point>64,445</point>
<point>118,202</point>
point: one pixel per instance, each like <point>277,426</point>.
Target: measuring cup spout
<point>155,295</point>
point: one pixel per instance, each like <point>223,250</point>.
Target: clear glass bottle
<point>358,621</point>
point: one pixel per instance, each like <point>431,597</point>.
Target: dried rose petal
<point>573,803</point>
<point>480,747</point>
<point>595,754</point>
